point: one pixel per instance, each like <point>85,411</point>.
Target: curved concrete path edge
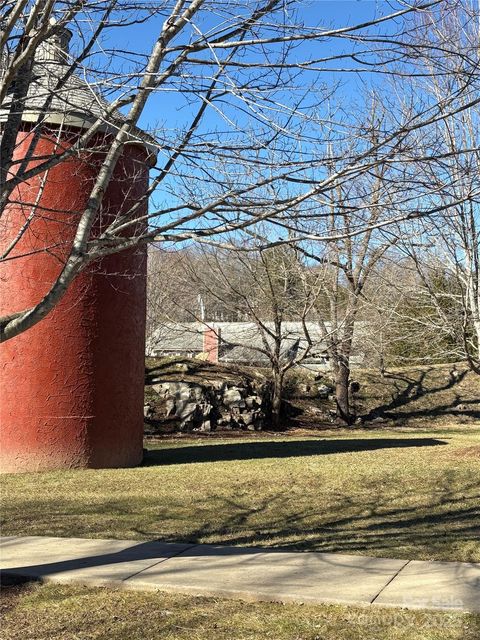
<point>244,572</point>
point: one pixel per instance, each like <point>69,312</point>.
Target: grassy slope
<point>52,612</point>
<point>384,493</point>
<point>423,398</point>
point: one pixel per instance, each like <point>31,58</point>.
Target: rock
<point>205,426</point>
<point>247,418</point>
<point>206,410</point>
<point>162,389</point>
<point>212,403</point>
<point>218,385</point>
<point>188,409</point>
<point>147,410</point>
<point>233,398</point>
<point>170,407</point>
<point>196,393</point>
<point>323,391</point>
<point>252,402</point>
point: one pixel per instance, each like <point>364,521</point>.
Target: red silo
<point>72,386</point>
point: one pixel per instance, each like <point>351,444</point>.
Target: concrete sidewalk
<point>245,573</point>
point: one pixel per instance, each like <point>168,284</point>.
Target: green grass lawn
<point>393,493</point>
<point>54,612</point>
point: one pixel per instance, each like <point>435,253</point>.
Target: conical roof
<point>67,100</point>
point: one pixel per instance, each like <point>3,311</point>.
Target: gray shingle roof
<point>76,103</point>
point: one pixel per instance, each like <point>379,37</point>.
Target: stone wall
<point>208,405</point>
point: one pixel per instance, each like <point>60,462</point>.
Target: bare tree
<point>170,296</point>
<point>342,234</point>
<point>411,313</point>
<point>446,261</point>
<point>447,161</point>
<point>238,60</point>
<point>269,296</point>
<point>350,226</point>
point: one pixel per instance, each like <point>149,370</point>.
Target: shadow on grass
<point>409,389</point>
<point>373,522</point>
<point>12,587</point>
<point>289,449</point>
<point>379,524</point>
<point>385,516</point>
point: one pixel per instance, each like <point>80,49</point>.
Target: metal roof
<point>239,341</point>
<point>242,341</point>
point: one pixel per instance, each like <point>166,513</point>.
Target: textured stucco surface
<point>72,386</point>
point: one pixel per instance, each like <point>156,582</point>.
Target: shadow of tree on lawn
<point>367,523</point>
<point>409,389</point>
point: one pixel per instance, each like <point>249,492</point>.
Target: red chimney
<point>211,341</point>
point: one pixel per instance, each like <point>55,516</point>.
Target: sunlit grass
<point>56,612</point>
<point>380,492</point>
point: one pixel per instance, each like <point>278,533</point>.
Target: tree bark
<point>342,396</point>
<point>277,400</point>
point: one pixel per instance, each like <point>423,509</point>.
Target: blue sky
<point>172,108</point>
<point>327,13</point>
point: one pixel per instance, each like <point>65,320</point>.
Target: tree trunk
<point>476,328</point>
<point>382,366</point>
<point>473,355</point>
<point>342,396</point>
<point>277,400</point>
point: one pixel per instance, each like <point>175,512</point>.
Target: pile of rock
<point>211,404</point>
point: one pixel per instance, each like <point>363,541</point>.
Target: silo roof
<point>75,103</point>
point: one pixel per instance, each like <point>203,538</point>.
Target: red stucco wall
<point>72,386</point>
